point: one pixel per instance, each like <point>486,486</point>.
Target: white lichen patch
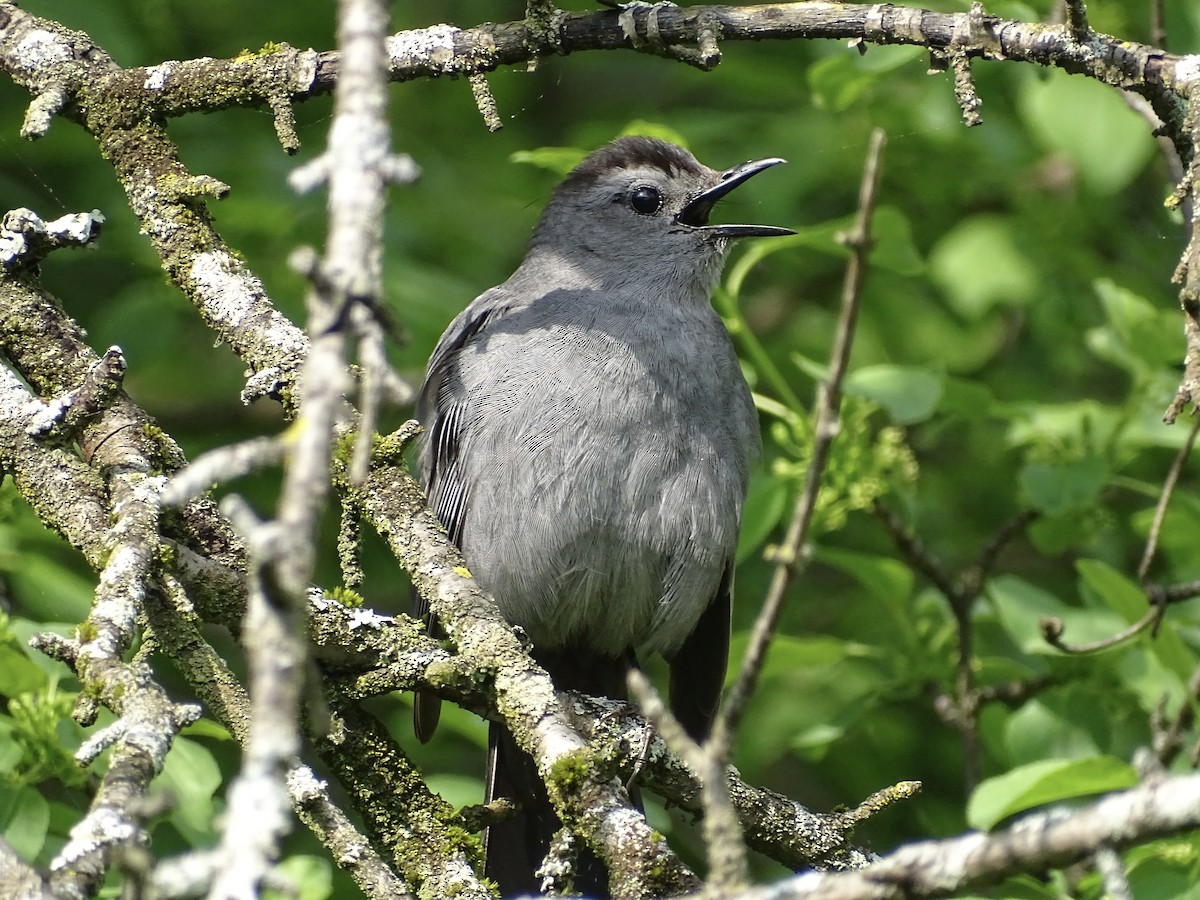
<point>77,227</point>
<point>304,71</point>
<point>42,417</point>
<point>303,784</point>
<point>433,45</point>
<point>158,76</point>
<point>368,618</point>
<point>1187,70</point>
<point>40,47</point>
<point>228,295</point>
<point>13,241</point>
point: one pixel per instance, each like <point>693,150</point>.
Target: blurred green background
<point>1018,344</point>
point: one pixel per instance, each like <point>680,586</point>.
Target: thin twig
<point>284,551</point>
<point>724,843</point>
<point>1052,630</point>
<point>1112,871</point>
<point>1077,19</point>
<point>1158,24</point>
<point>828,408</point>
<point>962,709</point>
<point>1165,595</point>
<point>1164,498</point>
<point>1014,693</point>
<point>917,553</point>
<point>1167,739</point>
<point>975,577</point>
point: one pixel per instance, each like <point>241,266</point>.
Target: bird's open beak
<point>695,214</point>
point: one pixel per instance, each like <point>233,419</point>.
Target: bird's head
<point>639,201</point>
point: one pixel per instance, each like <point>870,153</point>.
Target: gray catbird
<point>588,439</point>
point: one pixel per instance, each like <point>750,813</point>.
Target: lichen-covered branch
<point>1040,841</point>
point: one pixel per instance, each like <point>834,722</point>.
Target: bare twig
<point>917,553</point>
<point>1077,19</point>
<point>1167,739</point>
<point>964,87</point>
<point>1165,595</point>
<point>275,638</point>
<point>974,577</point>
<point>962,709</point>
<point>1014,693</point>
<point>1052,631</point>
<point>25,239</point>
<point>1112,871</point>
<point>1158,24</point>
<point>1159,596</point>
<point>828,406</point>
<point>1164,498</point>
<point>724,844</point>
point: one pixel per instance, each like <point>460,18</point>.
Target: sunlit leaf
<point>24,818</point>
<point>311,877</point>
<point>1049,781</point>
<point>909,394</point>
<point>1090,124</point>
<point>1057,488</point>
<point>979,266</point>
<point>559,160</point>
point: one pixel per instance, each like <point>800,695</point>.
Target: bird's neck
<point>688,280</point>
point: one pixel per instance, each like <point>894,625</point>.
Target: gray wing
<point>443,414</point>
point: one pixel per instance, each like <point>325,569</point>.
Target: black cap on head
<point>633,152</point>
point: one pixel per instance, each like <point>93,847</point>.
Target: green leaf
<point>979,266</point>
<point>456,789</point>
<point>830,683</point>
<point>908,393</point>
<point>1069,724</point>
<point>789,655</point>
<point>311,876</point>
<point>835,85</point>
<point>969,400</point>
<point>817,237</point>
<point>763,510</point>
<point>644,128</point>
<point>1021,606</point>
<point>840,80</point>
<point>10,751</point>
<point>888,581</point>
<point>24,818</point>
<point>191,776</point>
<point>559,160</point>
<point>1089,124</point>
<point>207,728</point>
<point>1117,591</point>
<point>1047,781</point>
<point>1137,335</point>
<point>18,673</point>
<point>63,595</point>
<point>1064,487</point>
<point>884,578</point>
<point>894,249</point>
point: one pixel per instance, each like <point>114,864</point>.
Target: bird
<point>588,440</point>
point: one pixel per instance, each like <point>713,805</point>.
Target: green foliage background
<point>1019,341</point>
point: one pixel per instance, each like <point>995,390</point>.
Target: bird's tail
<point>515,848</point>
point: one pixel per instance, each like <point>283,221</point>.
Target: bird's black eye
<point>645,200</point>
